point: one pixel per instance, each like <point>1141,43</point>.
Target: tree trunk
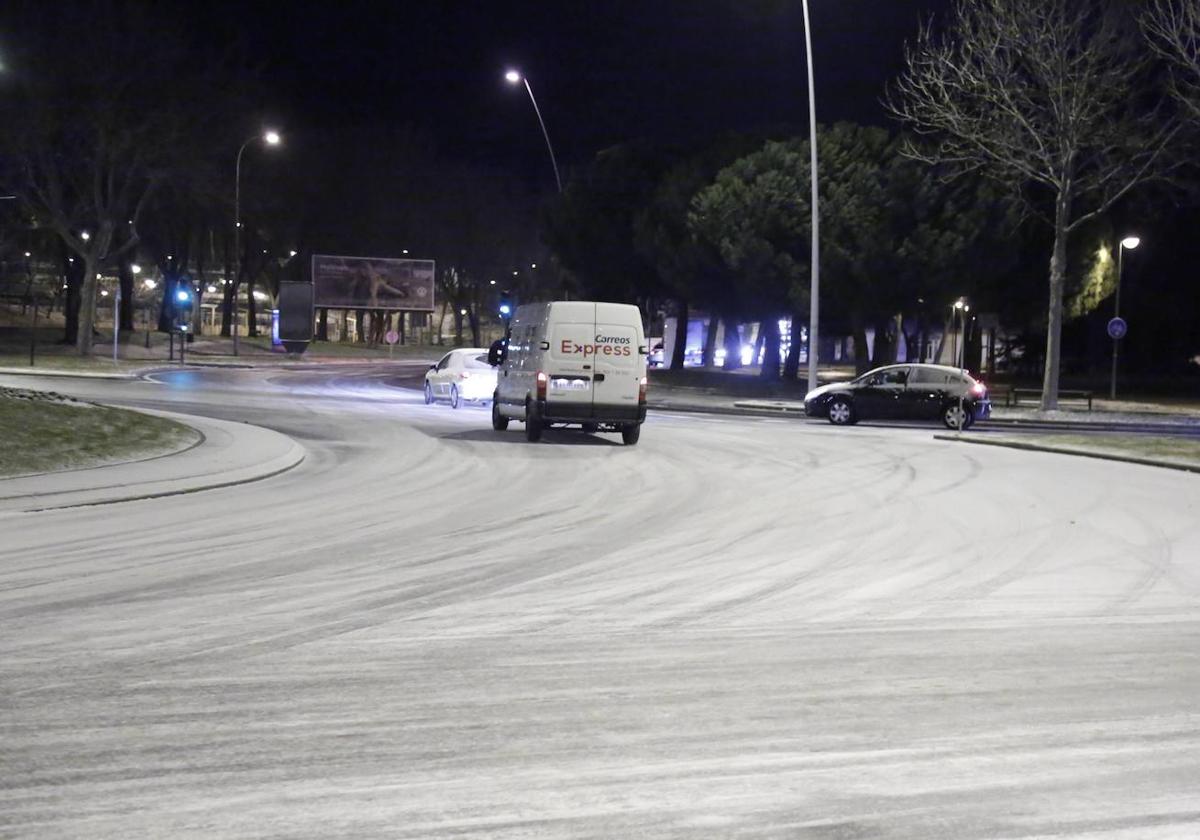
<point>885,343</point>
<point>862,359</point>
<point>681,331</point>
<point>87,305</point>
<point>125,274</point>
<point>1058,272</point>
<point>710,342</point>
<point>733,345</point>
<point>73,275</point>
<point>791,367</point>
<point>473,318</point>
<point>360,326</point>
<point>251,311</point>
<point>323,324</point>
<point>770,362</point>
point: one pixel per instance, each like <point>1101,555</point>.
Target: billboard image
<point>372,283</point>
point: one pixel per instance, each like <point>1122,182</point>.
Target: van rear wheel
<point>631,434</point>
<point>533,423</point>
<point>499,421</point>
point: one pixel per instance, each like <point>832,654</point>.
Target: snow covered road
<point>741,628</point>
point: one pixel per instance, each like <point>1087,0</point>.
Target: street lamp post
<point>513,77</point>
<point>962,308</point>
<point>814,293</point>
<point>1129,242</point>
<point>271,138</point>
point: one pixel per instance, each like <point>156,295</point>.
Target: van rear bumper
<point>591,413</point>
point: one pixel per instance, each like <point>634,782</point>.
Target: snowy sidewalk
<point>230,453</point>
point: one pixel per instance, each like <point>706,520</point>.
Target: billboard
<point>372,283</point>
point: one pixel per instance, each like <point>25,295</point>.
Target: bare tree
<point>98,120</point>
<point>1047,96</point>
<point>1173,28</point>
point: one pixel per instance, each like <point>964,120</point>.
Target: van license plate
<point>569,384</point>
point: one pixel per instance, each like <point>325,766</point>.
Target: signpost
<point>391,338</point>
<point>1117,328</point>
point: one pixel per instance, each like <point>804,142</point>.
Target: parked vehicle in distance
<point>461,375</point>
<point>572,363</point>
<point>903,392</point>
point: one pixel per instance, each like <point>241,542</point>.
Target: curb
<point>1062,450</point>
<point>190,470</point>
<point>75,374</point>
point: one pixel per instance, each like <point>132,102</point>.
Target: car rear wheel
<point>428,394</point>
<point>957,416</point>
<point>455,401</point>
<point>631,434</point>
<point>499,421</point>
<point>533,422</point>
<point>841,412</point>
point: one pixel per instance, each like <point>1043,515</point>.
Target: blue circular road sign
<point>1117,328</point>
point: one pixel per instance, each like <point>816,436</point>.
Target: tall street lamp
<point>1116,327</point>
<point>270,138</point>
<point>513,77</point>
<point>814,293</point>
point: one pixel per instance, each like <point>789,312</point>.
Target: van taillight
<point>542,380</point>
<point>642,390</point>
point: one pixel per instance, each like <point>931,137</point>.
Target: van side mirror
<point>497,352</point>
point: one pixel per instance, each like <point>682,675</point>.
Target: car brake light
<point>542,380</point>
<point>642,390</point>
<point>979,388</point>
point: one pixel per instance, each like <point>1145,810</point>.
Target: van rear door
<point>618,366</point>
<point>571,359</point>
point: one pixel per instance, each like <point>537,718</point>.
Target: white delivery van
<point>572,363</point>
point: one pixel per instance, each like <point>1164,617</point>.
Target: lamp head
<point>1130,242</point>
<point>272,138</point>
<point>512,76</point>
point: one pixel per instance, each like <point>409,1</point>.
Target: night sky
<point>602,72</point>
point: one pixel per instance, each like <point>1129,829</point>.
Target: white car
<point>462,374</point>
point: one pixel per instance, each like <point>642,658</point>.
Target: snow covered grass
<point>42,432</point>
<point>1160,448</point>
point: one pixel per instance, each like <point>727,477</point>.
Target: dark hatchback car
<point>903,392</point>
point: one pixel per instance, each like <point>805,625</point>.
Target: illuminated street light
<point>210,288</point>
<point>28,255</point>
<point>292,253</point>
<point>85,236</point>
<point>1126,244</point>
<point>135,268</point>
<point>514,78</point>
<point>271,138</point>
<point>149,283</point>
